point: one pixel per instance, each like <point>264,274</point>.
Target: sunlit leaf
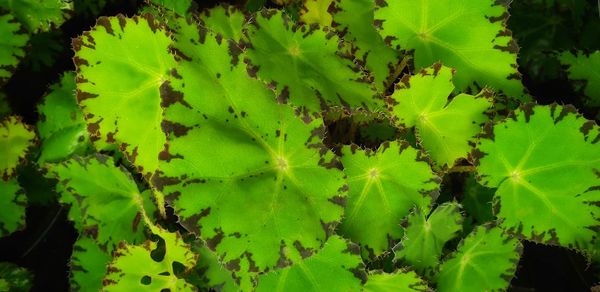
<point>384,186</point>
<point>15,139</point>
<point>398,281</point>
<point>226,20</point>
<point>545,162</point>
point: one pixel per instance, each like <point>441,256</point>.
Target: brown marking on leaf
<point>283,261</point>
<point>82,95</point>
<point>213,242</point>
<point>304,252</point>
<point>136,222</point>
<point>284,96</point>
<point>338,200</point>
<point>177,129</point>
<point>169,96</point>
<point>105,22</point>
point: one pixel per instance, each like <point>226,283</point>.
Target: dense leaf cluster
<point>227,117</point>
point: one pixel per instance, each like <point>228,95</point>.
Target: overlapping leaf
<point>15,140</point>
<point>485,260</point>
<point>39,15</point>
<point>209,274</point>
<point>135,269</point>
<point>397,281</point>
<point>243,172</point>
<point>336,267</point>
<point>354,19</point>
<point>443,127</point>
<point>181,7</point>
<point>305,66</point>
<point>545,164</point>
<point>384,186</point>
<point>13,202</point>
<point>104,199</point>
<point>424,237</point>
<point>585,68</point>
<point>61,126</point>
<point>469,36</point>
<point>11,45</point>
<point>89,263</point>
<point>316,12</point>
<point>121,78</point>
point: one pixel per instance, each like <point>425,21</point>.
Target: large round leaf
<point>545,162</point>
<point>243,172</point>
<point>384,186</point>
<point>444,128</point>
<point>485,260</point>
<point>336,267</point>
<point>121,78</point>
<point>305,65</point>
<point>470,36</point>
<point>11,45</point>
<point>61,126</point>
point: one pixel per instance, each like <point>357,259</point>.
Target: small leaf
<point>15,139</point>
<point>485,260</point>
<point>407,281</point>
<point>384,185</point>
<point>14,278</point>
<point>545,163</point>
<point>469,36</point>
<point>336,267</point>
<point>103,198</point>
<point>424,238</point>
<point>61,126</point>
<point>304,65</point>
<point>585,68</point>
<point>444,128</point>
<point>135,269</point>
<point>121,78</point>
<point>12,43</point>
<point>39,15</point>
<point>89,263</point>
<point>13,202</point>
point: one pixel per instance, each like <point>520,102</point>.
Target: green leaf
<point>210,274</point>
<point>61,126</point>
<point>469,36</point>
<point>181,7</point>
<point>226,20</point>
<point>44,49</point>
<point>15,139</point>
<point>4,106</point>
<point>397,281</point>
<point>12,45</point>
<point>121,78</point>
<point>444,128</point>
<point>270,185</point>
<point>104,199</point>
<point>336,267</point>
<point>477,201</point>
<point>545,163</point>
<point>39,15</point>
<point>485,260</point>
<point>384,185</point>
<point>585,68</point>
<point>305,66</point>
<point>354,19</point>
<point>13,202</point>
<point>89,263</point>
<point>14,278</point>
<point>316,12</point>
<point>134,268</point>
<point>424,237</point>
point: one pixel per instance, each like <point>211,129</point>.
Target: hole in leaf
<point>146,280</point>
<point>159,253</point>
<point>178,269</point>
